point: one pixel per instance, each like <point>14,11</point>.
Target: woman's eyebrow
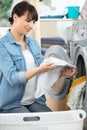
<point>29,18</point>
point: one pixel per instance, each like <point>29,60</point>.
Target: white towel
<point>47,79</point>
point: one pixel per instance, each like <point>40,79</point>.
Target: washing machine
<point>78,50</point>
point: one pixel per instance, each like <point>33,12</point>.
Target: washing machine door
<point>78,35</point>
<point>80,60</point>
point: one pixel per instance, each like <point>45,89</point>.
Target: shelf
<point>57,19</point>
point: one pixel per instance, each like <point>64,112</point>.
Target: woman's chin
<point>26,33</point>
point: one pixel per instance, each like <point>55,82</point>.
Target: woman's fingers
<point>69,72</point>
<point>47,66</point>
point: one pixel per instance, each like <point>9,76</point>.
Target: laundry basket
<point>64,120</point>
<point>73,12</point>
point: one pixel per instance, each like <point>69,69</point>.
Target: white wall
<point>14,3</point>
<point>63,3</point>
<point>55,28</point>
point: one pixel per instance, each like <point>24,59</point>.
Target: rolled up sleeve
<point>22,78</point>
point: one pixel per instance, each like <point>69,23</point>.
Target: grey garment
<point>59,52</point>
<point>60,94</point>
<point>34,107</point>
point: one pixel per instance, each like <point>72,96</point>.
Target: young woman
<point>20,59</point>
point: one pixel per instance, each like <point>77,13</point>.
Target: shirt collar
<point>11,38</point>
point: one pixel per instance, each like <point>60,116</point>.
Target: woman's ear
<point>15,17</point>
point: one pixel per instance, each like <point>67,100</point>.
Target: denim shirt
<point>13,68</point>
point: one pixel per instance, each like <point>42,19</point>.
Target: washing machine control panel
<point>79,30</point>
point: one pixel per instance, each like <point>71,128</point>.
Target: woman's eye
<point>28,20</point>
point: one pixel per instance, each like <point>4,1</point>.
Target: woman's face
<point>23,24</point>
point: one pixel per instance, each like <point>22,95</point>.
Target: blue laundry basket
<point>73,12</point>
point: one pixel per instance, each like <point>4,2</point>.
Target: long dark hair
<point>21,7</point>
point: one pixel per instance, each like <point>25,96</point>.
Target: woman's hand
<point>46,66</point>
<point>69,72</point>
<point>42,68</point>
